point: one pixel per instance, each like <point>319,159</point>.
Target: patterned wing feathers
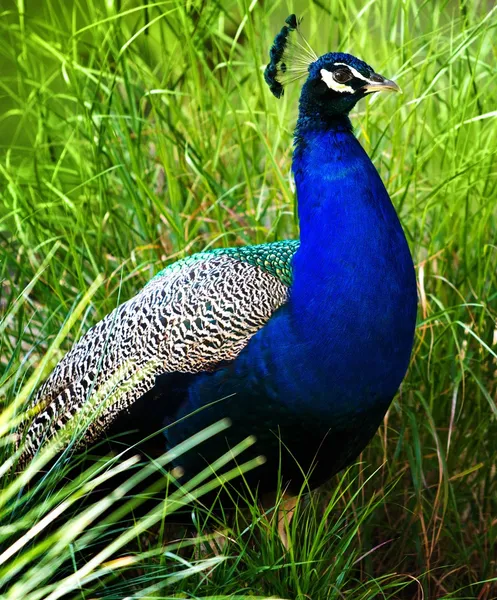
<point>192,316</point>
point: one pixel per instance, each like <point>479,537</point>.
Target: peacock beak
<point>378,83</point>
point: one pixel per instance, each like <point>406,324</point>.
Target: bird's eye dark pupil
<point>341,76</point>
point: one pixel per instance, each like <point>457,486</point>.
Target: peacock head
<point>335,81</point>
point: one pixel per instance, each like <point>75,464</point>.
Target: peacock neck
<point>353,279</point>
<point>348,225</point>
<point>339,191</point>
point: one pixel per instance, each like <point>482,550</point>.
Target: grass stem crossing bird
<point>300,343</point>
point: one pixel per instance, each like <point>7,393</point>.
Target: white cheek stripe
<point>354,72</point>
<point>327,77</point>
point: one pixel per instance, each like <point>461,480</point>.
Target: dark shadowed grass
<point>136,133</point>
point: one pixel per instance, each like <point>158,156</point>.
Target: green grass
<point>134,134</point>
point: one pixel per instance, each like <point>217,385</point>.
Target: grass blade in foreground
<point>38,564</point>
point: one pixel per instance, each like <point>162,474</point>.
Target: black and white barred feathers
<point>193,315</point>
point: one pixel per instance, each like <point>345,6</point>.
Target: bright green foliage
<point>135,134</point>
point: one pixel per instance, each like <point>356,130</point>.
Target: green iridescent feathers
<point>274,258</point>
<point>290,57</point>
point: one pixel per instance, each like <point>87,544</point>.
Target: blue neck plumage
<point>353,272</point>
<point>344,209</point>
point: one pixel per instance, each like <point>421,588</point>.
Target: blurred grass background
<point>134,133</point>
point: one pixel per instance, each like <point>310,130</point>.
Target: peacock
<point>301,343</point>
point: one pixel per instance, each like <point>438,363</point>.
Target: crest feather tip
<point>292,22</point>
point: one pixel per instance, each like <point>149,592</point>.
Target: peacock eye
<point>342,75</point>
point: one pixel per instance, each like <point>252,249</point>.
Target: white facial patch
<point>327,77</point>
